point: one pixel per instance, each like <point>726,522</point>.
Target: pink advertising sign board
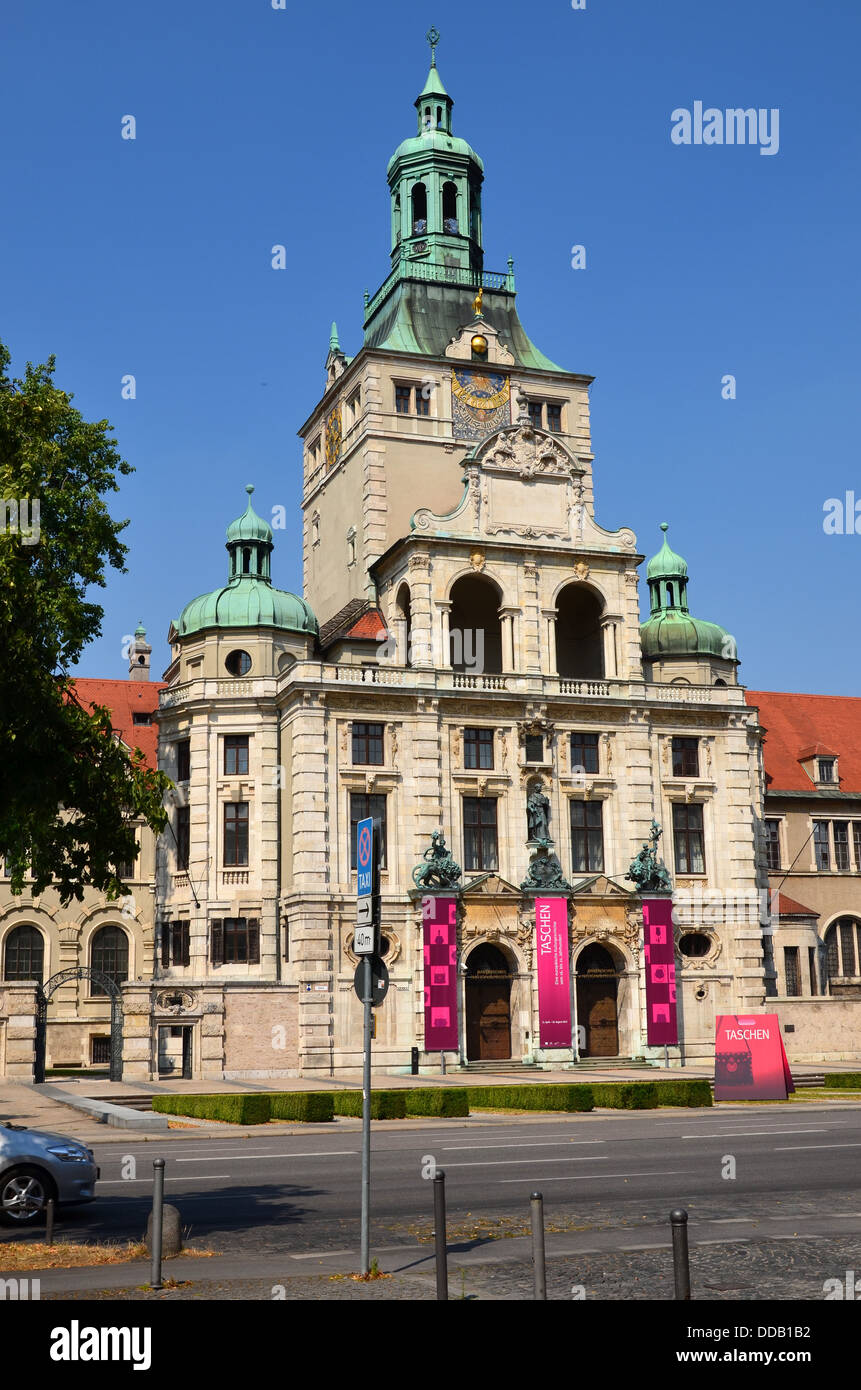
<point>750,1060</point>
<point>660,960</point>
<point>554,987</point>
<point>439,921</point>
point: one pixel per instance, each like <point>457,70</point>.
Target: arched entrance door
<point>107,986</point>
<point>488,1005</point>
<point>597,985</point>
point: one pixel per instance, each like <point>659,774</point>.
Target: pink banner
<point>660,958</point>
<point>750,1061</point>
<point>554,987</point>
<point>439,917</point>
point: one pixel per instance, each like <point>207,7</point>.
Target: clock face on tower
<point>333,437</point>
<point>480,402</point>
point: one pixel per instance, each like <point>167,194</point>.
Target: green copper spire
<point>248,599</point>
<point>140,630</point>
<point>334,344</point>
<point>670,630</point>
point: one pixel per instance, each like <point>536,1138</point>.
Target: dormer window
<point>827,769</point>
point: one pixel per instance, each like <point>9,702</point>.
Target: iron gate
<point>111,988</point>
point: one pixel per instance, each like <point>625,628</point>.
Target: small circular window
<point>238,663</point>
<point>695,943</point>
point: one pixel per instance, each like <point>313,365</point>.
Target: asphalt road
<point>609,1182</point>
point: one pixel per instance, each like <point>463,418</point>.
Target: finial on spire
<point>249,488</point>
<point>432,37</point>
<point>334,343</point>
<point>664,526</point>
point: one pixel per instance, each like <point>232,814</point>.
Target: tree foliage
<point>69,790</point>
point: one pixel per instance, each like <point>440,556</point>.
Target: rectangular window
<point>100,1051</point>
<point>587,837</point>
<point>175,943</point>
<point>183,836</point>
<point>535,409</point>
<point>814,982</point>
<point>368,744</point>
<point>534,748</point>
<point>820,844</point>
<point>584,752</point>
<point>236,755</point>
<point>240,941</point>
<point>554,417</point>
<point>139,718</point>
<point>856,836</point>
<point>479,832</point>
<point>841,845</point>
<point>686,761</point>
<point>362,806</point>
<point>478,748</point>
<point>771,836</point>
<point>790,966</point>
<point>403,399</point>
<point>235,834</point>
<point>688,839</point>
<point>183,760</point>
<point>422,401</point>
<point>826,769</point>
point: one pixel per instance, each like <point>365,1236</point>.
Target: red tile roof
<point>371,625</point>
<point>791,721</point>
<point>124,699</point>
<point>788,907</point>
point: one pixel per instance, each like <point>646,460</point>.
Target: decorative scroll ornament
<point>648,871</point>
<point>545,873</point>
<point>438,870</point>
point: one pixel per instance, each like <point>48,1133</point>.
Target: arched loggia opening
<point>597,1002</point>
<point>488,1005</point>
<point>449,207</point>
<point>579,640</point>
<point>475,630</point>
<point>403,611</point>
<point>420,208</point>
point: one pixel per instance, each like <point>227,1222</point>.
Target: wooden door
<point>596,1011</point>
<point>488,1020</point>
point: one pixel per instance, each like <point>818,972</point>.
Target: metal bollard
<point>157,1205</point>
<point>49,1222</point>
<point>414,1062</point>
<point>539,1265</point>
<point>439,1236</point>
<point>681,1265</point>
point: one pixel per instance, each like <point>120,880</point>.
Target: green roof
<point>666,564</point>
<point>673,633</point>
<point>434,85</point>
<point>247,602</point>
<point>434,140</point>
<point>423,316</point>
<point>249,526</point>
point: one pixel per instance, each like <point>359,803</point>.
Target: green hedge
<point>843,1080</point>
<point>623,1095</point>
<point>694,1092</point>
<point>385,1105</point>
<point>241,1109</point>
<point>531,1097</point>
<point>448,1101</point>
<point>308,1106</point>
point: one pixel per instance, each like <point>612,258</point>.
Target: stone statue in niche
<point>538,817</point>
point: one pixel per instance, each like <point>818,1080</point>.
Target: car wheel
<point>24,1194</point>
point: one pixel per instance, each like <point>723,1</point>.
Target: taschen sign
<point>750,1060</point>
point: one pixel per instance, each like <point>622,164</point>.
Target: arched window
<point>246,560</point>
<point>439,118</point>
<point>427,118</point>
<point>109,954</point>
<point>843,948</point>
<point>449,207</point>
<point>720,682</point>
<point>403,607</point>
<point>24,956</point>
<point>420,209</point>
<point>579,644</point>
<point>670,603</point>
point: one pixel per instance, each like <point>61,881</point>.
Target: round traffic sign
<point>379,980</point>
<point>364,854</point>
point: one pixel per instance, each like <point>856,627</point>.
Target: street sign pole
<point>369,887</point>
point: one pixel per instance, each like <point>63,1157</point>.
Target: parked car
<point>35,1166</point>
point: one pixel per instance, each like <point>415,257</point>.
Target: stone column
<point>506,618</point>
<point>18,1008</point>
<point>608,632</point>
<point>443,657</point>
<point>139,1060</point>
<point>420,611</point>
<point>550,615</point>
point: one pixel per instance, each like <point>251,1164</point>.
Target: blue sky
<point>258,126</point>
